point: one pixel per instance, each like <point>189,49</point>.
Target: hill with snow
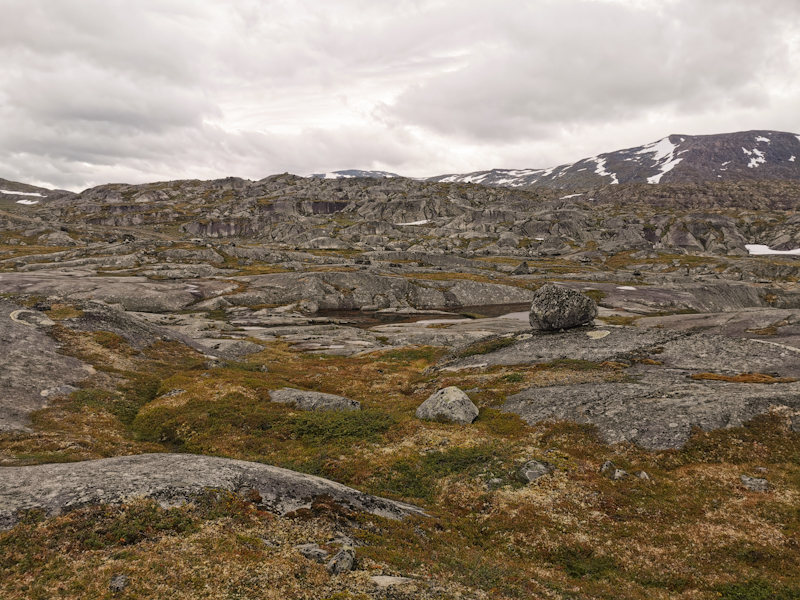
<point>748,155</point>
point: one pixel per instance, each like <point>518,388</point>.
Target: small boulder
<point>118,583</point>
<point>755,484</point>
<point>312,552</point>
<point>316,401</point>
<point>448,404</point>
<point>521,269</point>
<point>554,308</point>
<point>342,562</point>
<point>533,470</point>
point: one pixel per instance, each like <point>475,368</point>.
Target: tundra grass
<point>690,531</point>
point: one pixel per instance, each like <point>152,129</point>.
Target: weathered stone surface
<point>755,484</point>
<point>342,562</point>
<point>554,308</point>
<point>31,369</point>
<point>448,404</point>
<point>118,583</point>
<point>172,479</point>
<point>316,401</point>
<point>533,470</point>
<point>685,352</point>
<point>658,411</point>
<point>386,581</point>
<point>312,552</point>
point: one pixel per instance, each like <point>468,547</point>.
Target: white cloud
<point>94,91</point>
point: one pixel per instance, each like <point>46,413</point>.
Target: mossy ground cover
<point>691,531</point>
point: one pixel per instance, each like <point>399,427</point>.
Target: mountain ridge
<point>676,158</point>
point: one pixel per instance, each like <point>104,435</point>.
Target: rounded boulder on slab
<point>554,308</point>
<point>448,404</point>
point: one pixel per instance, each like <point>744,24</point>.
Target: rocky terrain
<point>338,388</point>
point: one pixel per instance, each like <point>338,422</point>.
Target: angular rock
<point>533,470</point>
<point>118,583</point>
<point>521,269</point>
<point>342,562</point>
<point>316,401</point>
<point>554,308</point>
<point>755,484</point>
<point>448,404</point>
<point>312,552</point>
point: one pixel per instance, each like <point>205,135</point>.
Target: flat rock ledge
<point>172,480</point>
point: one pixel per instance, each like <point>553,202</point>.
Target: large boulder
<point>448,404</point>
<point>554,308</point>
<point>316,401</point>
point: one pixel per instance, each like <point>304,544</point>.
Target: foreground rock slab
<point>31,369</point>
<point>172,479</point>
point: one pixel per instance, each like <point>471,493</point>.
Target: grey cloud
<point>571,62</point>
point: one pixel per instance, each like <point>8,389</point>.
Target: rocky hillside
<point>747,155</point>
<point>12,192</point>
<point>399,214</point>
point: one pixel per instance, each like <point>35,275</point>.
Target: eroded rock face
<point>448,404</point>
<point>31,369</point>
<point>172,479</point>
<point>316,401</point>
<point>554,308</point>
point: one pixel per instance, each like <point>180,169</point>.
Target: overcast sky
<point>99,91</point>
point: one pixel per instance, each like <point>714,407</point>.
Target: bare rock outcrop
<point>173,479</point>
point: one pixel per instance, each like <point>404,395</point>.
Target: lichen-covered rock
<point>316,401</point>
<point>342,561</point>
<point>755,484</point>
<point>533,470</point>
<point>171,480</point>
<point>448,404</point>
<point>554,308</point>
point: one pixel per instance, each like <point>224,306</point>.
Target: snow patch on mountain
<point>601,170</point>
<point>757,157</point>
<point>762,139</point>
<point>37,195</point>
<point>762,250</point>
<point>663,152</point>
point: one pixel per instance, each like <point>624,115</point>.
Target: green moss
<point>342,427</point>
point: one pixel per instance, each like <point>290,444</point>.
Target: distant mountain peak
<point>746,155</point>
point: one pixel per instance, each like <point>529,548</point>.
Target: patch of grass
<point>757,589</point>
<point>429,354</point>
<point>583,562</point>
<point>514,378</point>
<point>744,378</point>
<point>109,341</point>
<point>596,295</point>
<point>341,426</point>
<point>136,393</point>
<point>615,320</point>
<point>485,347</point>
